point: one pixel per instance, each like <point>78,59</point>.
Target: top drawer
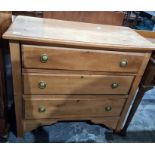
<point>80,59</point>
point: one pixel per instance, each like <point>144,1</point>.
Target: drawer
<point>75,106</point>
<point>36,83</point>
<point>80,59</point>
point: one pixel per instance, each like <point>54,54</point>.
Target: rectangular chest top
<point>54,31</point>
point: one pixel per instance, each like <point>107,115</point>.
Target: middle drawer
<point>37,83</point>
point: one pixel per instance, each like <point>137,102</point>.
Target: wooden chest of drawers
<point>74,71</point>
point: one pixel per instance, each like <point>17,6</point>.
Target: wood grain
<point>79,72</point>
<point>132,93</point>
<point>5,21</point>
<point>80,59</point>
<point>76,84</point>
<point>109,122</point>
<point>96,17</point>
<point>147,82</point>
<point>146,34</point>
<point>78,79</point>
<point>61,107</point>
<point>149,35</point>
<point>149,75</point>
<point>76,33</point>
<point>17,84</point>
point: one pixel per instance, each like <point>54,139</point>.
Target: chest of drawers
<point>74,71</point>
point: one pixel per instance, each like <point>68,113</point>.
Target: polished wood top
<point>76,33</point>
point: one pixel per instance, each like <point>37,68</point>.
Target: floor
<point>141,129</point>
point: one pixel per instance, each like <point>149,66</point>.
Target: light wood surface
<point>60,107</point>
<point>76,33</point>
<point>76,84</point>
<point>80,59</point>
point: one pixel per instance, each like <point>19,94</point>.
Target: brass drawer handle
<point>124,63</point>
<point>114,85</point>
<point>42,85</point>
<point>108,108</point>
<point>44,58</point>
<point>41,109</point>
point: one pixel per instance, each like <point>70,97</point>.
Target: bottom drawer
<point>58,106</point>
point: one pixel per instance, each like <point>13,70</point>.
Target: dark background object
<point>140,20</point>
<point>5,21</point>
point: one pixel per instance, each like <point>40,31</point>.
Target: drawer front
<point>35,83</point>
<point>80,106</point>
<point>80,59</point>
